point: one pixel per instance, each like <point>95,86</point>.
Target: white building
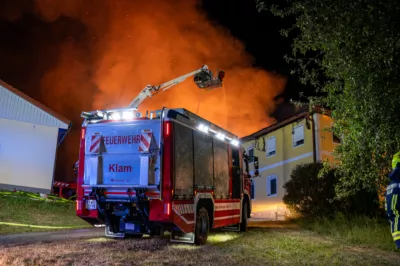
<point>29,136</point>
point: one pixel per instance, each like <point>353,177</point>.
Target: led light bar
<point>203,128</point>
<point>127,115</point>
<point>235,142</point>
<point>219,135</point>
<point>115,116</point>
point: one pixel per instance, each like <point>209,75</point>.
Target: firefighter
<point>392,204</point>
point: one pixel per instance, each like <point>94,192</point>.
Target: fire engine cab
<point>169,170</point>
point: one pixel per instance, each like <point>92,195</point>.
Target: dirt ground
<point>266,243</point>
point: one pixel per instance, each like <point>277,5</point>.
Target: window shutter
<point>271,146</point>
<point>251,154</point>
<point>298,134</point>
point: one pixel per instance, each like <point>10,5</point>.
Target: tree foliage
<point>354,45</point>
<point>312,196</point>
<point>308,195</point>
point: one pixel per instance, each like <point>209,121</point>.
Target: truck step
<point>108,233</point>
<point>231,228</point>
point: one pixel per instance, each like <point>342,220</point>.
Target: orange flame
<point>135,43</point>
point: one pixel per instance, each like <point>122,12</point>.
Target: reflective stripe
<point>396,238</point>
<point>392,186</point>
<point>396,233</point>
<point>396,212</point>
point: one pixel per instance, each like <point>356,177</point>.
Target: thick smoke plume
<point>135,43</point>
<point>124,45</point>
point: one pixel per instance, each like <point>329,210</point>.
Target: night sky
<point>29,46</point>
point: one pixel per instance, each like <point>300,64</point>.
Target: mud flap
<point>177,236</point>
<point>231,228</point>
<point>108,233</point>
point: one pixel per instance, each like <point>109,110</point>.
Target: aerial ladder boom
<point>202,77</point>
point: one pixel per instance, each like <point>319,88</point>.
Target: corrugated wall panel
<point>15,108</point>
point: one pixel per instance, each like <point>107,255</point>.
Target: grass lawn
<point>373,232</point>
<point>22,212</point>
<point>265,244</point>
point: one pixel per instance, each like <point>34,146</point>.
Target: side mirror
<point>256,166</point>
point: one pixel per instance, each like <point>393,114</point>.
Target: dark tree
<point>349,51</point>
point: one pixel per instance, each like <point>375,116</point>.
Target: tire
<point>243,224</point>
<point>202,227</point>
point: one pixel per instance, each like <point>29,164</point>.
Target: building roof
<point>27,110</point>
<point>297,114</point>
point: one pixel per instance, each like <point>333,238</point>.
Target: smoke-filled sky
<point>81,55</point>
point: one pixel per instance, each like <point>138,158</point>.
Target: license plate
<point>91,204</point>
<point>129,226</point>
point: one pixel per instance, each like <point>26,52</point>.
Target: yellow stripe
<point>391,203</point>
<point>391,222</point>
<point>396,220</point>
<point>396,238</point>
<point>39,226</point>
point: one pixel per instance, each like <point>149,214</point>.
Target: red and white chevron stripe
<point>95,145</point>
<point>61,184</point>
<point>145,141</point>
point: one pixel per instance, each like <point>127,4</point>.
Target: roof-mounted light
<point>235,142</point>
<point>127,115</point>
<point>220,136</point>
<point>100,114</point>
<point>203,128</point>
<point>115,116</point>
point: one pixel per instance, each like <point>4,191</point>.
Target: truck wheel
<point>243,225</point>
<point>201,227</point>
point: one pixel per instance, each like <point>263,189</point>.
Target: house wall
<point>285,159</point>
<point>325,138</point>
<point>279,165</point>
<point>27,155</point>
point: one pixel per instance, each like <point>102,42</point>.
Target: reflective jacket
<point>392,205</point>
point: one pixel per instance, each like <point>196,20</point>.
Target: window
<point>271,146</point>
<point>298,135</point>
<point>335,138</point>
<point>272,188</point>
<point>250,152</point>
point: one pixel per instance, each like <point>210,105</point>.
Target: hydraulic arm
<point>202,77</point>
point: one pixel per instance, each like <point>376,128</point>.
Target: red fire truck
<point>169,170</point>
